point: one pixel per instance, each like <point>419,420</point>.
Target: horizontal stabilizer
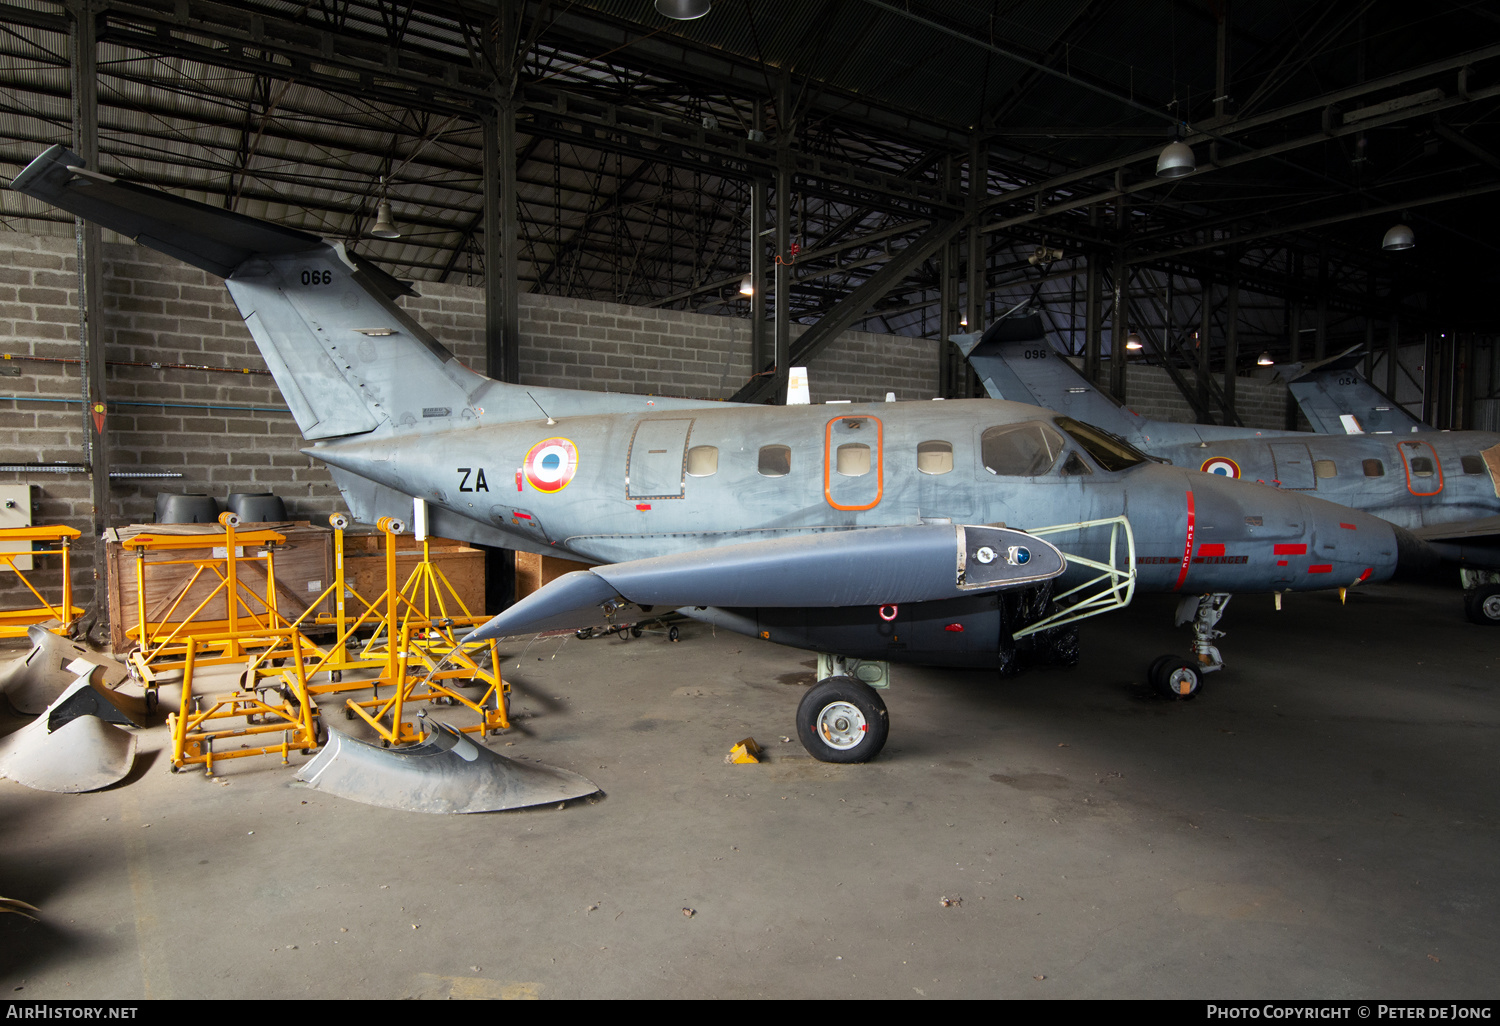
<point>866,567</point>
<point>215,240</point>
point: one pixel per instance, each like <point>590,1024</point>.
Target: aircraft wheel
<point>1176,677</point>
<point>672,634</point>
<point>842,720</point>
<point>635,631</point>
<point>1482,604</point>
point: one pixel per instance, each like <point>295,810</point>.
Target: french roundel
<point>550,464</point>
<point>1221,466</point>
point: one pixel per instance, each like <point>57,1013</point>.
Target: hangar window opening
<point>1325,468</point>
<point>1020,450</point>
<point>1472,464</point>
<point>703,461</point>
<point>853,460</point>
<point>1421,466</point>
<point>935,457</point>
<point>775,461</point>
<point>1374,468</point>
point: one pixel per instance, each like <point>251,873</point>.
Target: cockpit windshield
<point>1110,451</point>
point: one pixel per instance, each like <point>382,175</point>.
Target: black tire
<point>842,720</point>
<point>1153,672</point>
<point>672,634</point>
<point>635,631</point>
<point>584,633</point>
<point>1482,604</point>
<point>1177,678</point>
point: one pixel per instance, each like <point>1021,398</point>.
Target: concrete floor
<point>1320,822</point>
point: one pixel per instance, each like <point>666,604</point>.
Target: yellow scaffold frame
<point>14,622</point>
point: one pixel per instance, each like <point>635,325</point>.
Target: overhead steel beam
<point>852,307</point>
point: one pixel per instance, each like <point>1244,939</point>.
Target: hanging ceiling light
<point>1133,341</point>
<point>384,227</point>
<point>682,10</point>
<point>1264,360</point>
<point>747,285</point>
<point>1399,237</point>
<point>1176,160</point>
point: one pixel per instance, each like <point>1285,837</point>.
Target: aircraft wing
<point>876,566</point>
<point>1473,542</point>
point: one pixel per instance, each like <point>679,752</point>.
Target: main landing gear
<point>1179,677</point>
<point>842,718</point>
<point>1481,595</point>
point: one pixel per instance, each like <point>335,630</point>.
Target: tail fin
<point>345,356</point>
<point>1337,400</point>
<point>1014,361</point>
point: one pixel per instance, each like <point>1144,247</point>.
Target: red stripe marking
<point>521,516</point>
<point>1281,562</point>
<point>1320,568</point>
<point>1366,575</point>
<point>1349,527</point>
<point>1210,550</point>
<point>1291,550</point>
<point>643,505</point>
<point>1187,545</point>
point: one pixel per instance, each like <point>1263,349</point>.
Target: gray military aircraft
<point>1443,486</point>
<point>844,530</point>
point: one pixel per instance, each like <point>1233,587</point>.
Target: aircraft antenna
<point>550,421</point>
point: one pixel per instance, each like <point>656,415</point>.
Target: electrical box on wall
<point>15,511</point>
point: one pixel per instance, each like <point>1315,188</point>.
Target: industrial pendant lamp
<point>682,10</point>
<point>747,285</point>
<point>384,228</point>
<point>1176,160</point>
<point>1264,360</point>
<point>1399,237</point>
<point>1133,341</point>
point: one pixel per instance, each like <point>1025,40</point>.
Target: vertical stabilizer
<point>1014,361</point>
<point>1334,397</point>
<point>345,356</point>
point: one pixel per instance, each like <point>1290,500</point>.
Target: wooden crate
<point>303,567</point>
<point>534,570</point>
<point>364,567</point>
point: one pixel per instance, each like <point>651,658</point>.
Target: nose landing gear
<point>1181,678</point>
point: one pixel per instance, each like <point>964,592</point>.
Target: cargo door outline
<point>866,490</point>
<point>656,466</point>
<point>1294,466</point>
<point>1413,450</point>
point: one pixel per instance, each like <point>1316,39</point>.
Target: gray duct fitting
<point>447,772</point>
<point>82,753</point>
<point>33,682</point>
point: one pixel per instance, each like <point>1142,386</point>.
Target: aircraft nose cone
<point>1249,536</point>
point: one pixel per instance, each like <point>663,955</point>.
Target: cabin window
<point>853,459</point>
<point>1020,450</point>
<point>1472,464</point>
<point>935,457</point>
<point>1325,468</point>
<point>703,461</point>
<point>1374,468</point>
<point>775,461</point>
<point>1421,466</point>
<point>1075,466</point>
